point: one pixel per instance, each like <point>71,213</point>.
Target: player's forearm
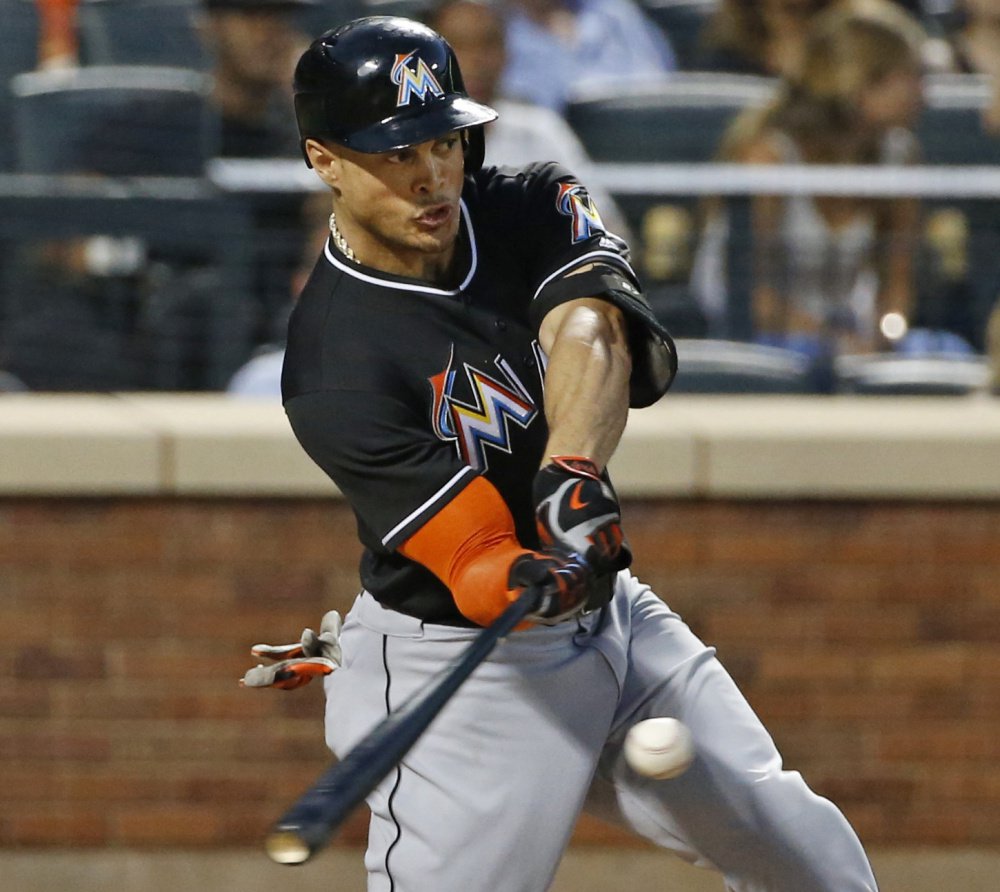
<point>586,383</point>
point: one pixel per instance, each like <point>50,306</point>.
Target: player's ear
<point>325,162</point>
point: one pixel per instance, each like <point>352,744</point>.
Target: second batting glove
<point>297,664</point>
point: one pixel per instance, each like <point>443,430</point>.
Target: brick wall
<point>866,635</point>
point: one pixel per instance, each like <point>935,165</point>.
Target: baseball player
<point>461,363</point>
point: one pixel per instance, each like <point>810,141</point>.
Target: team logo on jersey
<point>485,420</point>
<point>414,78</point>
<point>574,201</point>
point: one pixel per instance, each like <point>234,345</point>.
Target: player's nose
<point>429,173</point>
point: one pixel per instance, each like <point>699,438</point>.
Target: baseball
<point>659,748</point>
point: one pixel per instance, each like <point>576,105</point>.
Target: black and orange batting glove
<point>297,664</point>
<point>564,582</point>
<point>578,512</point>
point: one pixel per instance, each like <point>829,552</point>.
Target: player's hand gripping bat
<point>308,824</point>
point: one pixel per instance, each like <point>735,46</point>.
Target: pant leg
<point>735,809</point>
<point>489,795</point>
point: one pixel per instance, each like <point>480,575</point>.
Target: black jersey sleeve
<point>382,457</point>
<point>562,233</point>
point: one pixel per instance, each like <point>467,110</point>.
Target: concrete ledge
<point>841,447</point>
<point>584,869</point>
<point>214,445</point>
<point>685,446</point>
<point>66,445</point>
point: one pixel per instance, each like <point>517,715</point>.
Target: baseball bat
<point>305,828</point>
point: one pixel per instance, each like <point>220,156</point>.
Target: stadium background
<point>147,541</point>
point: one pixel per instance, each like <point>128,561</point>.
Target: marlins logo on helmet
<point>414,82</point>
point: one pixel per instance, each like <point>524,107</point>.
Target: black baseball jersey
<point>404,391</point>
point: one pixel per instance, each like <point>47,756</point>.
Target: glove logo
<point>414,82</point>
<point>574,498</point>
<point>575,202</point>
<point>486,420</point>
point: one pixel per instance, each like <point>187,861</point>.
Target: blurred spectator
<point>834,273</point>
<point>260,376</point>
<point>975,43</point>
<point>253,44</point>
<point>555,47</point>
<point>993,348</point>
<point>762,37</point>
<point>975,36</point>
<point>523,133</point>
<point>58,44</point>
<point>99,313</point>
<point>70,315</point>
<point>667,241</point>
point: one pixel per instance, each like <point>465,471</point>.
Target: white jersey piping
<point>414,514</point>
<point>617,258</point>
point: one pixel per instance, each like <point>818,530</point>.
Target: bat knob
<point>287,847</point>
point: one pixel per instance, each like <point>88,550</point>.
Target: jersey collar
<point>374,277</point>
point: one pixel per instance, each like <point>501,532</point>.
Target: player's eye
<point>400,157</point>
<point>447,143</point>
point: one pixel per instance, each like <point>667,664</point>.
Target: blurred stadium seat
<point>140,32</point>
<point>322,15</point>
<point>679,118</point>
<point>719,366</point>
<point>114,120</point>
<point>951,129</point>
<point>887,374</point>
<point>682,22</point>
<point>18,53</point>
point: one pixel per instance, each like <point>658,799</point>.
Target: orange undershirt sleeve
<point>470,545</point>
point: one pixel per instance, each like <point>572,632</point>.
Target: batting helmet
<point>381,83</point>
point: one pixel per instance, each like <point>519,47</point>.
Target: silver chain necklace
<point>339,242</point>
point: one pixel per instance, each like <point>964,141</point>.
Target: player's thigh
<point>488,796</point>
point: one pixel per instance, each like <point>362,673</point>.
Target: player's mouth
<point>436,216</point>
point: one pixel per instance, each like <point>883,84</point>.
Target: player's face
<point>398,211</point>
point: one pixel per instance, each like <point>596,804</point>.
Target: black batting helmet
<point>381,83</point>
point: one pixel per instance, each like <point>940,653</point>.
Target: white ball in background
<point>659,748</point>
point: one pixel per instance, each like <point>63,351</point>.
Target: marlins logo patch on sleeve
<point>575,202</point>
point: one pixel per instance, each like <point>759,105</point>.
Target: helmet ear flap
<point>474,146</point>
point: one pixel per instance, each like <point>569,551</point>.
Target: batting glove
<point>297,664</point>
<point>563,579</point>
<point>577,510</point>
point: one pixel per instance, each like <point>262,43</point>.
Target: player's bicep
<point>652,352</point>
<point>585,319</point>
